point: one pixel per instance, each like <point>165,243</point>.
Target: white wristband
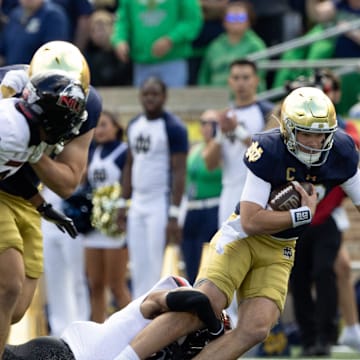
<point>241,132</point>
<point>174,211</point>
<point>300,216</point>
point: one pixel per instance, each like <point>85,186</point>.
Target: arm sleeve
<point>177,135</point>
<point>256,190</point>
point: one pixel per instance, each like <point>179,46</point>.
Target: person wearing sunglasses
<point>238,41</point>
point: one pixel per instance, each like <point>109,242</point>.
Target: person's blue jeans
<point>173,73</point>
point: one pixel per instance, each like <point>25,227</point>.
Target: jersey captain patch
<point>254,152</point>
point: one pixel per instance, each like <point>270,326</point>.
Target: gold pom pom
<point>105,209</point>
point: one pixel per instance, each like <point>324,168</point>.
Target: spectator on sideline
<point>105,67</point>
<point>78,13</point>
<point>213,13</point>
<point>327,14</point>
<point>154,178</point>
<point>31,24</point>
<point>271,20</point>
<point>245,117</point>
<point>203,189</point>
<point>236,42</point>
<point>106,256</point>
<point>157,36</point>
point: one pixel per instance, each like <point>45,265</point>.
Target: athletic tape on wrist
<point>300,216</point>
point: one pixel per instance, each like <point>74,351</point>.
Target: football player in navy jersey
<point>58,161</point>
<point>253,252</point>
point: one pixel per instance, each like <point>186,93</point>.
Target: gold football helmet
<point>64,56</point>
<point>308,109</point>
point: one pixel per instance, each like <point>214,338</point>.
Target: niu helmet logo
<point>72,98</point>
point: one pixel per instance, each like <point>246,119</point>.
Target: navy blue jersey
<point>269,159</point>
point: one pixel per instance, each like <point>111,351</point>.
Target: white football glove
<point>15,80</point>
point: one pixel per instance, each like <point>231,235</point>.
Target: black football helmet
<point>189,346</point>
<point>56,103</point>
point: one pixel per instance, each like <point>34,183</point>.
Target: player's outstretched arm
<point>162,331</point>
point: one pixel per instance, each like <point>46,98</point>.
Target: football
<point>286,197</point>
